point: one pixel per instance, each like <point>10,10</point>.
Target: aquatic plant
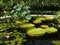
<point>58,21</point>
<point>51,30</point>
<point>37,21</point>
<point>44,26</point>
<point>27,25</point>
<point>21,12</point>
<point>36,32</point>
<point>23,21</point>
<point>58,15</point>
<point>49,17</point>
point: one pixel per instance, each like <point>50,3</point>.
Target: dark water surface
<point>39,42</point>
<point>44,40</point>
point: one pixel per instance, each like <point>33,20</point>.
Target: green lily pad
<point>44,26</point>
<point>51,30</point>
<point>41,18</point>
<point>49,17</point>
<point>37,21</point>
<point>27,25</point>
<point>36,32</point>
<point>22,21</point>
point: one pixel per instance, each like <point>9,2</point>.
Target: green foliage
<point>49,17</point>
<point>36,32</point>
<point>21,11</point>
<point>14,34</point>
<point>58,15</point>
<point>27,25</point>
<point>44,26</point>
<point>2,34</point>
<point>51,30</point>
<point>44,2</point>
<point>10,29</point>
<point>39,19</point>
<point>23,21</point>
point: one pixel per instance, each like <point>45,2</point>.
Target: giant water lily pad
<point>49,17</point>
<point>22,21</point>
<point>51,30</point>
<point>44,26</point>
<point>41,18</point>
<point>27,25</point>
<point>37,21</point>
<point>29,28</point>
<point>36,32</point>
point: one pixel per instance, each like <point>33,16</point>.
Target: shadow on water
<point>38,42</point>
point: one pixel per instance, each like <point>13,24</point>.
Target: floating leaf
<point>51,30</point>
<point>27,25</point>
<point>36,32</point>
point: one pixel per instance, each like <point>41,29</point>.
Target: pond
<point>52,39</point>
<point>47,39</point>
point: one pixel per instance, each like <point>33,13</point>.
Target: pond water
<point>46,39</point>
<point>39,42</point>
<point>43,40</point>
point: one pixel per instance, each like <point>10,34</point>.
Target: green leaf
<point>18,5</point>
<point>22,15</point>
<point>24,12</point>
<point>36,32</point>
<point>51,30</point>
<point>18,9</point>
<point>12,11</point>
<point>28,11</point>
<point>14,7</point>
<point>15,14</point>
<point>1,42</point>
<point>25,25</point>
<point>28,17</point>
<point>25,7</point>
